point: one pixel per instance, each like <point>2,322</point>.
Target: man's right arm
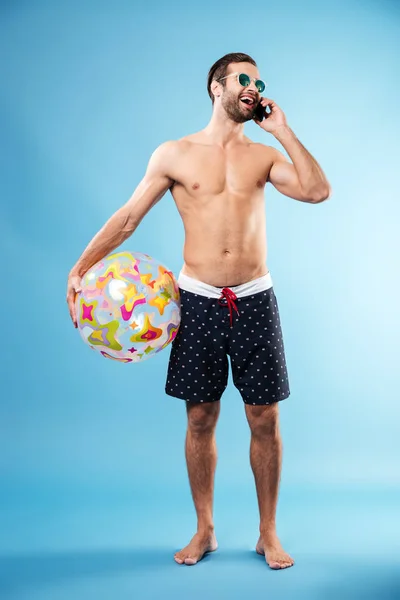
<point>125,220</point>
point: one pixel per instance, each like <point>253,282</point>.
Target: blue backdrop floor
<point>59,542</point>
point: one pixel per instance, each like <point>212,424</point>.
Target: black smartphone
<point>260,112</point>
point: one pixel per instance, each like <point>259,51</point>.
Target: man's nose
<point>252,86</point>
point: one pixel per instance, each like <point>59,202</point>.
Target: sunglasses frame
<point>237,74</point>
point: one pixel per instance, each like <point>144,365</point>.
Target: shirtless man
<point>217,178</point>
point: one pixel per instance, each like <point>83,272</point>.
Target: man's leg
<point>266,460</point>
<point>201,458</point>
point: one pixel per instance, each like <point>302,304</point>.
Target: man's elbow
<point>320,195</point>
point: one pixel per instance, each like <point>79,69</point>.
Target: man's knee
<point>202,417</point>
<point>263,420</point>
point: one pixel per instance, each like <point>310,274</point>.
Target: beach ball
<point>129,307</point>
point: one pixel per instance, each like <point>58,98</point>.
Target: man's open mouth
<point>248,100</point>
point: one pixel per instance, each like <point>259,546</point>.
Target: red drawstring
<point>230,298</point>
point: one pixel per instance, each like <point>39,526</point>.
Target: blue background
<point>94,492</point>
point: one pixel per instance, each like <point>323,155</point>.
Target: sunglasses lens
<point>260,85</point>
<point>244,79</point>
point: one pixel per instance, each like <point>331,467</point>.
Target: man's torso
<point>219,194</point>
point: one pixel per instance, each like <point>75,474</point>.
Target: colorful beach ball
<point>129,307</point>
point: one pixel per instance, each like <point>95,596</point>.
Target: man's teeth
<point>247,100</point>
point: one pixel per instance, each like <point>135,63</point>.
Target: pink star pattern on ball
<point>87,312</point>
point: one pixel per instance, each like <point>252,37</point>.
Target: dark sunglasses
<point>245,81</point>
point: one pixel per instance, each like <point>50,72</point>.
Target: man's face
<point>240,102</point>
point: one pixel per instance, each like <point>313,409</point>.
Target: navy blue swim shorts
<point>218,323</point>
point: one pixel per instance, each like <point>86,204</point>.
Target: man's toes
<point>179,559</point>
<point>184,558</point>
<point>288,562</point>
<point>284,564</point>
<point>280,563</point>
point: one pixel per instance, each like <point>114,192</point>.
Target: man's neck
<point>224,132</point>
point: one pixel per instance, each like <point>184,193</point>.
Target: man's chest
<point>210,171</point>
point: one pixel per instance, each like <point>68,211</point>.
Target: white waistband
<point>196,286</point>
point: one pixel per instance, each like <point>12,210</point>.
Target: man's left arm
<point>304,179</point>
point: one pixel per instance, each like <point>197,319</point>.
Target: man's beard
<point>233,109</point>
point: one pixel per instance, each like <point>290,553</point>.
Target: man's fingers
<point>71,305</point>
<point>73,289</point>
<point>72,313</point>
<point>268,103</point>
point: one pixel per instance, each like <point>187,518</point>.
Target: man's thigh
<point>257,350</point>
<point>198,364</point>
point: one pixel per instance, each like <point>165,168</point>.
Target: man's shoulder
<point>266,153</point>
<point>258,146</point>
<point>167,153</point>
<point>168,146</point>
<point>172,148</point>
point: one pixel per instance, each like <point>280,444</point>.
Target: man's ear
<point>216,88</point>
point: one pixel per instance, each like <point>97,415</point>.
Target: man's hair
<point>220,68</point>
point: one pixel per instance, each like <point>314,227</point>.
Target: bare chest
<point>207,171</point>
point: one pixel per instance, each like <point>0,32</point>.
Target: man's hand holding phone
<point>269,121</point>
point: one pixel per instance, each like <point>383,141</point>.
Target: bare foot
<point>199,546</point>
<point>274,554</point>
